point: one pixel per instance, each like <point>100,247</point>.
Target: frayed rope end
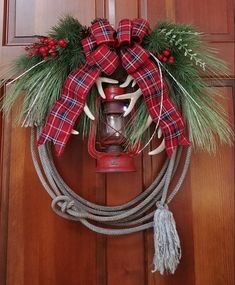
<point>166,241</point>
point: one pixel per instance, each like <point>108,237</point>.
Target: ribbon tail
<point>68,107</point>
<point>183,140</point>
<point>172,125</point>
<point>171,141</point>
<point>157,101</point>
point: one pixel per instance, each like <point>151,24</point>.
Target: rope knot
<point>67,205</point>
<point>161,205</point>
<point>63,202</point>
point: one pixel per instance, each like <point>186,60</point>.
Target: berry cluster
<point>166,56</point>
<point>47,46</point>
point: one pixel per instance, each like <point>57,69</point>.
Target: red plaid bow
<point>101,56</point>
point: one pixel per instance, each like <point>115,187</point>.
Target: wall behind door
<point>39,248</point>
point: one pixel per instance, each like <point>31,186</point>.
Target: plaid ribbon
<point>100,49</point>
<point>171,122</point>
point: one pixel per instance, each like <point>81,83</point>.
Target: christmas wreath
<point>166,73</point>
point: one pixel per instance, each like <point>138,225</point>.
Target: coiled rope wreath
<point>136,215</point>
<point>61,75</point>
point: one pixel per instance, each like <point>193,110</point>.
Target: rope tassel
<point>166,241</point>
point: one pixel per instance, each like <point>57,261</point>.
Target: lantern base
<point>115,162</point>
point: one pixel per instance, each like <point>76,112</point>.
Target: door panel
<point>212,17</point>
<point>39,248</point>
<point>213,211</point>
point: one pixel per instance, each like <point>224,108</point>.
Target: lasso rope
<point>70,205</point>
<point>136,215</point>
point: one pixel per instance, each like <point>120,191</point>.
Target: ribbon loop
<point>124,32</point>
<point>88,45</point>
<point>103,32</point>
<point>140,28</point>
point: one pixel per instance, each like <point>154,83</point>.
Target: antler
<point>148,123</point>
<point>161,147</point>
<point>99,82</point>
<point>128,81</point>
<point>134,96</point>
<point>88,112</point>
<point>74,132</point>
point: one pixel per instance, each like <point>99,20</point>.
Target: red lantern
<point>108,135</point>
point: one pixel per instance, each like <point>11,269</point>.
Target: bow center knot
<point>103,45</point>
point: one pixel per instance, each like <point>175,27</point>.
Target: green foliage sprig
<point>45,81</point>
<point>193,62</point>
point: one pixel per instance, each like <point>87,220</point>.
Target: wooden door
<point>39,248</point>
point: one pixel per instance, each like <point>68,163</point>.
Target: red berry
<point>30,54</point>
<point>46,48</point>
<point>61,42</point>
<point>52,43</point>
<point>26,48</point>
<point>46,41</point>
<point>42,40</point>
<point>53,47</point>
<point>36,50</point>
<point>42,50</point>
<point>164,59</point>
<point>171,60</point>
<point>34,44</point>
<point>49,46</point>
<point>166,52</point>
<point>160,56</point>
<point>54,54</point>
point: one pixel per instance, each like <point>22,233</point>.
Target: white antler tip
<point>159,149</point>
<point>159,133</point>
<point>128,81</point>
<point>148,123</point>
<point>74,132</point>
<point>101,80</point>
<point>133,83</point>
<point>88,113</point>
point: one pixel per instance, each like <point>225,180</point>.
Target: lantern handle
<point>91,142</point>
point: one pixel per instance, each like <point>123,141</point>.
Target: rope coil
<point>131,217</point>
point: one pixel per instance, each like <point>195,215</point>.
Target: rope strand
<point>131,217</point>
